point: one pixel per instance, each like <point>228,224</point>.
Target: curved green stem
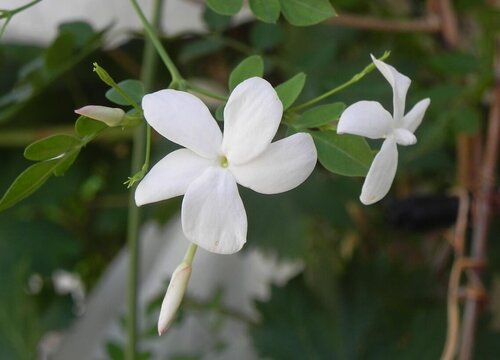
<point>353,80</point>
<point>177,79</point>
<point>205,92</point>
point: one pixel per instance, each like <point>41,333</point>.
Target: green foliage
<point>319,116</point>
<point>266,36</point>
<point>51,147</point>
<point>133,88</point>
<point>266,10</point>
<point>306,12</point>
<point>290,90</point>
<point>86,127</point>
<point>249,67</point>
<point>347,155</point>
<point>216,21</point>
<point>225,7</point>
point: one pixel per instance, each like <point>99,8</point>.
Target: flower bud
<point>109,116</point>
<point>173,297</point>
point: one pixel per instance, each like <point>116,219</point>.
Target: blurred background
<point>321,276</point>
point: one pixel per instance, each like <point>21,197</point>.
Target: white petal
<point>365,118</point>
<point>399,83</point>
<point>213,215</point>
<point>284,165</point>
<point>404,137</point>
<point>171,176</point>
<point>412,120</point>
<point>183,119</point>
<point>381,173</point>
<point>251,118</point>
<point>173,297</point>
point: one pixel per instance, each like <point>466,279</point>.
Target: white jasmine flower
<point>370,119</point>
<point>173,297</point>
<point>208,169</point>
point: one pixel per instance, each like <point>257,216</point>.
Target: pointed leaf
<point>347,155</point>
<point>225,7</point>
<point>266,10</point>
<point>66,162</point>
<point>50,147</point>
<point>320,115</point>
<point>290,90</point>
<point>250,67</point>
<point>88,127</point>
<point>133,88</point>
<point>306,12</point>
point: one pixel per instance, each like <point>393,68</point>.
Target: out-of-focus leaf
<point>50,147</point>
<point>266,36</point>
<point>81,32</point>
<point>464,120</point>
<point>115,351</point>
<point>290,90</point>
<point>59,52</point>
<point>215,21</point>
<point>219,112</point>
<point>225,7</point>
<point>306,12</point>
<point>266,10</point>
<point>459,63</point>
<point>250,67</point>
<point>88,127</point>
<point>66,162</point>
<point>200,48</point>
<point>133,88</point>
<point>347,155</point>
<point>320,115</point>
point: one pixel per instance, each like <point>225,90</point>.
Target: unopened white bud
<point>109,116</point>
<point>173,297</point>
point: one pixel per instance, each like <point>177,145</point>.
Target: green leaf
<point>250,67</point>
<point>88,127</point>
<point>59,52</point>
<point>225,7</point>
<point>219,112</point>
<point>290,90</point>
<point>347,155</point>
<point>133,88</point>
<point>266,36</point>
<point>81,32</point>
<point>28,182</point>
<point>320,115</point>
<point>306,12</point>
<point>50,147</point>
<point>215,21</point>
<point>266,10</point>
<point>200,48</point>
<point>66,162</point>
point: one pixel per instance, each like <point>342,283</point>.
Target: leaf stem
<point>368,69</point>
<point>177,80</point>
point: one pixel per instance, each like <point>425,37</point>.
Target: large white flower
<point>208,169</point>
<point>370,119</point>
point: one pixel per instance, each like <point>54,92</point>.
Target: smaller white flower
<point>209,167</point>
<point>370,119</point>
<point>109,116</point>
<point>174,295</point>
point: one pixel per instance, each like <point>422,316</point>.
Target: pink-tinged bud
<point>109,116</point>
<point>173,297</point>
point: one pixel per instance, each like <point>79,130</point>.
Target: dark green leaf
<point>215,21</point>
<point>225,7</point>
<point>266,36</point>
<point>133,88</point>
<point>81,32</point>
<point>347,155</point>
<point>50,147</point>
<point>115,351</point>
<point>88,127</point>
<point>290,90</point>
<point>28,182</point>
<point>266,10</point>
<point>250,67</point>
<point>464,120</point>
<point>306,12</point>
<point>219,112</point>
<point>59,52</point>
<point>320,115</point>
<point>200,48</point>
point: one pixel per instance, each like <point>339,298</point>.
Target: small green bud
<point>103,75</point>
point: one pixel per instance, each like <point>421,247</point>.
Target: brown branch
<point>481,220</point>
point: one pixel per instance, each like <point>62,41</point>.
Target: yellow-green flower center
<point>223,161</point>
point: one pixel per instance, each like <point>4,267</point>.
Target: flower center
<point>223,161</point>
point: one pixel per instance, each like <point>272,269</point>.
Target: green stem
<point>10,13</point>
<point>205,92</point>
<point>353,80</point>
<point>177,79</point>
<point>190,253</point>
<point>141,150</point>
